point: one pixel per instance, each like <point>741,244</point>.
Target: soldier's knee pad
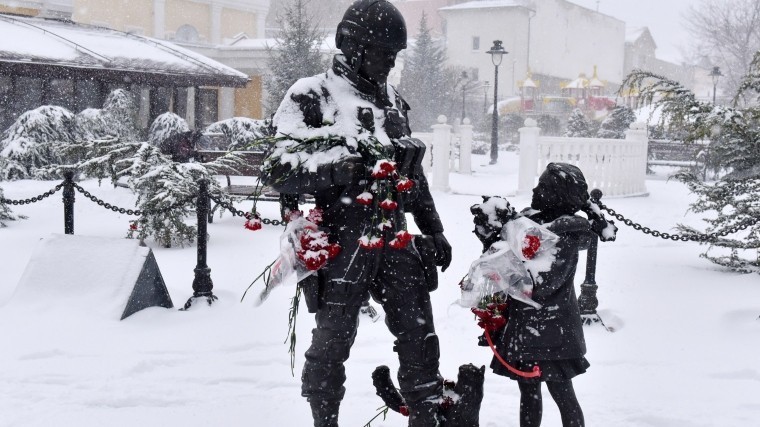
<point>421,352</point>
<point>328,347</point>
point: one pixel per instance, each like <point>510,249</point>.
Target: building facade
<point>553,40</point>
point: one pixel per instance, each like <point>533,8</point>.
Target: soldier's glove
<point>442,251</point>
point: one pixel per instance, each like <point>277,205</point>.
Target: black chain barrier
<point>246,215</point>
<point>32,199</point>
<point>746,223</point>
<point>137,212</point>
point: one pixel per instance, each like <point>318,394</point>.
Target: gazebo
<point>58,62</point>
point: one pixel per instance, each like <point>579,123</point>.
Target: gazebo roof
<point>59,48</point>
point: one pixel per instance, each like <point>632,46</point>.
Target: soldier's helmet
<point>373,23</point>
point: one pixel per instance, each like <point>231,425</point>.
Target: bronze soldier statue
<point>353,100</point>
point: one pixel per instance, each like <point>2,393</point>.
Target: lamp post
<point>464,87</point>
<point>716,75</point>
<point>486,85</point>
<point>497,52</point>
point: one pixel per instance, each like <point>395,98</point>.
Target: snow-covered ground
<point>685,351</point>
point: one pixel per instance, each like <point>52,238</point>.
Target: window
<point>187,33</point>
<point>207,109</point>
<point>88,94</point>
<point>475,43</point>
<point>6,97</point>
<point>60,92</point>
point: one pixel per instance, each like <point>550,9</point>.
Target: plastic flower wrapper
<point>304,249</point>
<point>509,265</point>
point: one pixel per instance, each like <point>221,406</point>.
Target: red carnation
<point>253,224</point>
<point>389,205</point>
<point>133,226</point>
<point>315,215</point>
<point>530,246</point>
<point>333,250</point>
<point>403,410</point>
<point>365,198</point>
<point>404,184</point>
<point>371,242</point>
<point>383,169</point>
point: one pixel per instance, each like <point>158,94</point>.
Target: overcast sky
<point>665,19</point>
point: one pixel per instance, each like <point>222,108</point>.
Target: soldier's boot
<point>325,412</point>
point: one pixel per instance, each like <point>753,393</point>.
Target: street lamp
<point>464,87</point>
<point>486,85</point>
<point>716,75</point>
<point>497,52</point>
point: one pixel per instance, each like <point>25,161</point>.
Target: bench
<point>252,161</point>
<point>676,154</point>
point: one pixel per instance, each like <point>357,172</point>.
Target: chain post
<point>587,301</point>
<point>202,284</point>
<point>68,202</point>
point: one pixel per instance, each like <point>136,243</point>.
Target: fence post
<point>441,152</point>
<point>587,300</point>
<point>465,147</point>
<point>202,284</point>
<point>637,133</point>
<point>68,202</point>
<point>528,156</point>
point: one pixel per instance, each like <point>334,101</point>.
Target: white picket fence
<point>617,167</point>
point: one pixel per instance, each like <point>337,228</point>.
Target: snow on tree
<point>616,123</point>
<point>33,142</point>
<point>242,132</point>
<point>115,119</point>
<point>166,126</point>
<point>296,53</point>
<point>734,137</point>
<point>424,83</point>
<point>578,126</point>
<point>5,211</point>
<point>550,125</point>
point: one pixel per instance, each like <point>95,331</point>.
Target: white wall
<point>565,40</point>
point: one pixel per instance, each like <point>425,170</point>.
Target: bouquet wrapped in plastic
<point>510,265</point>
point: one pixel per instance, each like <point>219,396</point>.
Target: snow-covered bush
<point>242,132</point>
<point>5,211</point>
<point>616,123</point>
<point>165,126</point>
<point>578,126</point>
<point>115,119</point>
<point>34,141</point>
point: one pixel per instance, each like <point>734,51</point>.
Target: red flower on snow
<point>253,224</point>
<point>383,169</point>
<point>530,246</point>
<point>133,226</point>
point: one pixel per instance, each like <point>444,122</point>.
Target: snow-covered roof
<point>37,42</point>
<point>244,43</point>
<point>484,4</point>
<point>579,83</point>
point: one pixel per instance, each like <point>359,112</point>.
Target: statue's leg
<point>400,287</point>
<point>324,373</point>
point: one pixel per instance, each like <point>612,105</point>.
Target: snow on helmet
<point>373,23</point>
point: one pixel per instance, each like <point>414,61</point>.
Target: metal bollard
<point>68,202</point>
<point>202,284</point>
<point>587,301</point>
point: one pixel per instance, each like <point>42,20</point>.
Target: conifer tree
<point>734,137</point>
<point>424,83</point>
<point>34,141</point>
<point>5,211</point>
<point>578,126</point>
<point>616,123</point>
<point>296,53</point>
<point>242,132</point>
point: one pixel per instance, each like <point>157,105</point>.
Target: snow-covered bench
<point>677,154</point>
